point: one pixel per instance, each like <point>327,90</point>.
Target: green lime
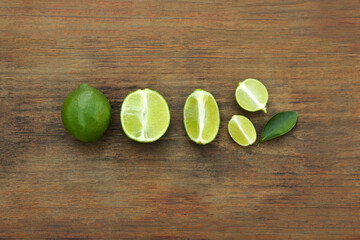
<point>242,130</point>
<point>201,117</point>
<point>252,95</point>
<point>86,113</point>
<point>145,115</point>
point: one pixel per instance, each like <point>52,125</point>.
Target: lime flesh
<point>252,95</point>
<point>241,130</point>
<point>201,117</point>
<point>145,115</point>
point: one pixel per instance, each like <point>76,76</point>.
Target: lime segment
<point>241,130</point>
<point>201,117</point>
<point>252,95</point>
<point>145,115</point>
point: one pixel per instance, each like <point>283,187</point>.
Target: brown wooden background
<point>305,185</point>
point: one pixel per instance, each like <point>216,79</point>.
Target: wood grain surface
<point>305,185</point>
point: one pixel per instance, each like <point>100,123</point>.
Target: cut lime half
<point>252,95</point>
<point>241,130</point>
<point>201,117</point>
<point>145,115</point>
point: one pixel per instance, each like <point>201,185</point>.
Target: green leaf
<point>278,125</point>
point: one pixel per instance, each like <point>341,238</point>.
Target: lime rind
<point>143,138</point>
<point>86,113</point>
<point>251,99</point>
<point>201,98</point>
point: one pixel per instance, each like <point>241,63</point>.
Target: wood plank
<point>305,185</point>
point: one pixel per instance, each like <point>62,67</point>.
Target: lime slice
<point>145,115</point>
<point>201,117</point>
<point>242,130</point>
<point>252,95</point>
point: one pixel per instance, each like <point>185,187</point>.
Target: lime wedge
<point>252,95</point>
<point>145,115</point>
<point>201,117</point>
<point>242,130</point>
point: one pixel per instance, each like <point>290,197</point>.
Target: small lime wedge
<point>145,115</point>
<point>252,95</point>
<point>201,117</point>
<point>241,130</point>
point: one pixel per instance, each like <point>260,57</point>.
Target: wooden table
<point>305,185</point>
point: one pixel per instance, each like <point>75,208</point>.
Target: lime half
<point>242,130</point>
<point>201,117</point>
<point>252,95</point>
<point>145,115</point>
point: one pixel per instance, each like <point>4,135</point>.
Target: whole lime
<point>86,113</point>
